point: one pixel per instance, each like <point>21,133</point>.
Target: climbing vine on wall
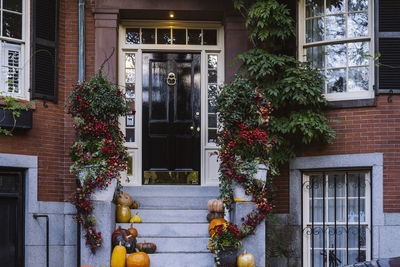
<point>273,105</point>
<point>98,154</point>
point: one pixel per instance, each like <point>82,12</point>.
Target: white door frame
<point>209,163</point>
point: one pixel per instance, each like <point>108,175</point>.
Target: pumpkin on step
<point>125,199</point>
<point>135,219</point>
<point>215,205</point>
<point>246,260</point>
<point>118,256</point>
<point>123,213</point>
<point>138,259</point>
<point>214,215</point>
<point>123,237</point>
<point>146,247</point>
<point>214,223</point>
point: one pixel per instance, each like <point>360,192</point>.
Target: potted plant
<point>224,243</point>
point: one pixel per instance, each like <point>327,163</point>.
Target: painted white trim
<point>302,52</point>
<point>136,148</point>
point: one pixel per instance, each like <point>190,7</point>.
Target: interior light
<point>171,15</point>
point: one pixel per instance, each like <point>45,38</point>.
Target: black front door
<point>171,118</point>
<point>11,219</point>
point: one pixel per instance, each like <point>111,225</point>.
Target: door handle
<point>198,129</point>
<point>171,79</point>
<point>191,128</point>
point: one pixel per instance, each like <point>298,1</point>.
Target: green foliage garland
<point>99,154</point>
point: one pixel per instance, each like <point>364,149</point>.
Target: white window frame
<point>303,47</point>
<point>306,213</point>
<point>209,160</point>
<point>24,59</point>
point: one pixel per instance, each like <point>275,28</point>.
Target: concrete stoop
<point>174,218</point>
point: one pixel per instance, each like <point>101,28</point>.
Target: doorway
<point>12,218</point>
<point>171,118</point>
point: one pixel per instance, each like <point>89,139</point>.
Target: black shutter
<point>387,43</point>
<point>45,49</point>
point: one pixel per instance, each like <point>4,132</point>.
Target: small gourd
<point>118,256</point>
<point>214,215</point>
<point>138,259</point>
<point>246,260</point>
<point>125,199</point>
<point>133,231</point>
<point>134,205</point>
<point>146,247</point>
<point>215,205</point>
<point>135,219</point>
<point>123,213</point>
<point>214,223</point>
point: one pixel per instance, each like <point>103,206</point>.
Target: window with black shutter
<point>44,53</point>
<point>387,35</point>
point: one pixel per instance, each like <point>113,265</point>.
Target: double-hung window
<point>335,36</point>
<point>336,218</point>
<point>12,48</point>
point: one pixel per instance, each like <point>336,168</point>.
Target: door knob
<point>198,129</point>
<point>192,128</point>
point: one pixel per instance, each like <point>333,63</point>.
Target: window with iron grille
<point>336,218</point>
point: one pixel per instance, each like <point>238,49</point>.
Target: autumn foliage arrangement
<point>98,154</point>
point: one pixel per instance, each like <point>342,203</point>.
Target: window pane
<point>211,135</point>
<point>316,56</point>
<point>148,36</point>
<point>314,8</point>
<point>163,36</point>
<point>357,5</point>
<point>353,236</point>
<point>318,236</point>
<point>212,76</point>
<point>133,36</point>
<point>209,37</point>
<point>316,186</point>
<point>339,184</point>
<point>341,236</point>
<point>212,91</point>
<point>130,121</point>
<point>130,61</point>
<point>336,81</point>
<point>358,53</point>
<point>335,27</point>
<point>318,257</point>
<point>194,37</point>
<point>335,6</point>
<point>211,107</point>
<point>354,257</point>
<point>179,36</point>
<point>318,210</point>
<point>12,25</point>
<point>352,181</point>
<point>14,5</point>
<point>212,120</point>
<point>130,76</point>
<point>352,212</point>
<point>337,258</point>
<point>130,135</point>
<point>130,90</point>
<point>336,55</point>
<point>340,210</point>
<point>358,79</point>
<point>357,24</point>
<point>212,61</point>
<point>314,30</point>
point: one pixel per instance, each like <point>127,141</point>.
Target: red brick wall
<point>52,132</point>
<point>362,130</point>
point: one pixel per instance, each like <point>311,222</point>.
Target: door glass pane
<point>130,90</point>
<point>209,37</point>
<point>212,61</point>
<point>212,76</point>
<point>12,25</point>
<point>212,133</point>
<point>179,36</point>
<point>133,35</point>
<point>212,91</point>
<point>130,135</point>
<point>171,177</point>
<point>148,36</point>
<point>194,37</point>
<point>163,36</point>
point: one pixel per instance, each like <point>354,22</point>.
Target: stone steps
<point>174,218</point>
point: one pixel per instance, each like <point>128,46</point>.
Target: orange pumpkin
<point>125,199</point>
<point>138,259</point>
<point>215,205</point>
<point>135,205</point>
<point>214,223</point>
<point>133,231</point>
